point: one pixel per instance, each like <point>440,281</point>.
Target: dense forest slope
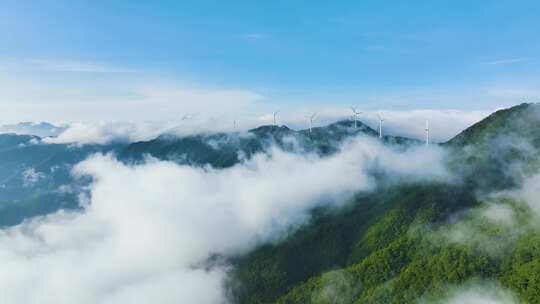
<point>410,242</point>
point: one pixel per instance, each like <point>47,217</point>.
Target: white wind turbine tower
<point>235,124</point>
<point>275,116</point>
<point>427,132</point>
<point>355,114</point>
<point>380,125</point>
<point>311,118</point>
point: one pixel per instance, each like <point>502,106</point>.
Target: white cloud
<point>31,128</point>
<point>207,102</point>
<point>74,66</point>
<point>481,294</point>
<point>108,132</point>
<point>138,102</point>
<point>31,176</point>
<point>253,36</point>
<point>147,230</point>
<point>443,125</point>
<point>32,91</point>
<point>529,193</point>
<point>338,287</point>
<point>507,61</point>
<point>513,212</point>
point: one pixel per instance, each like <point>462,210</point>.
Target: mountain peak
<point>271,129</point>
<point>520,121</point>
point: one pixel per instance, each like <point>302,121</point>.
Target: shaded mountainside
<point>35,178</point>
<point>495,152</point>
<point>389,246</point>
<point>10,140</point>
<point>222,150</point>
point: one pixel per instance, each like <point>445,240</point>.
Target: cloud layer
<point>443,125</point>
<point>108,132</point>
<point>476,292</point>
<point>146,232</point>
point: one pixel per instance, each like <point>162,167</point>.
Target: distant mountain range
<point>225,149</point>
<point>23,152</point>
<point>42,129</point>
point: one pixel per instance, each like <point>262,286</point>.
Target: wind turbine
<point>427,132</point>
<point>311,119</point>
<point>380,125</point>
<point>355,114</point>
<point>275,116</point>
<point>235,124</point>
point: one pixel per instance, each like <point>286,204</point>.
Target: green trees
<point>406,242</point>
<point>521,270</point>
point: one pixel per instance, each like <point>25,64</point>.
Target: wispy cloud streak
<point>76,66</point>
<point>507,61</point>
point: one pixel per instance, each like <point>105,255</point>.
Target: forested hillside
<point>404,240</point>
<point>414,242</point>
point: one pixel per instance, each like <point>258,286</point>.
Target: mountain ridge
<point>228,148</point>
<point>378,250</point>
<point>503,120</point>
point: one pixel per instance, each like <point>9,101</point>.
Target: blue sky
<point>402,55</point>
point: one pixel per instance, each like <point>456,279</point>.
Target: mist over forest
<point>269,152</point>
<point>337,214</point>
